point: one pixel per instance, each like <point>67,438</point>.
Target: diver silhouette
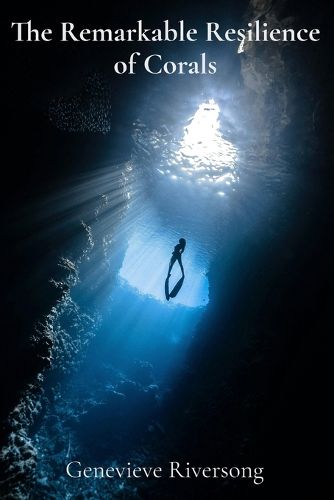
<point>176,256</point>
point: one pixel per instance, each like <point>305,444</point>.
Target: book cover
<point>166,256</point>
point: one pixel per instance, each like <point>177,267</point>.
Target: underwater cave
<point>101,369</point>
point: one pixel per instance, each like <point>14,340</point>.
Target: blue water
<point>187,177</point>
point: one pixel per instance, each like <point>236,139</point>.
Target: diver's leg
<point>171,264</point>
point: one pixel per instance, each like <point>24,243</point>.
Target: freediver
<point>176,256</point>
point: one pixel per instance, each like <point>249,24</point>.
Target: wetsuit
<point>176,256</point>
